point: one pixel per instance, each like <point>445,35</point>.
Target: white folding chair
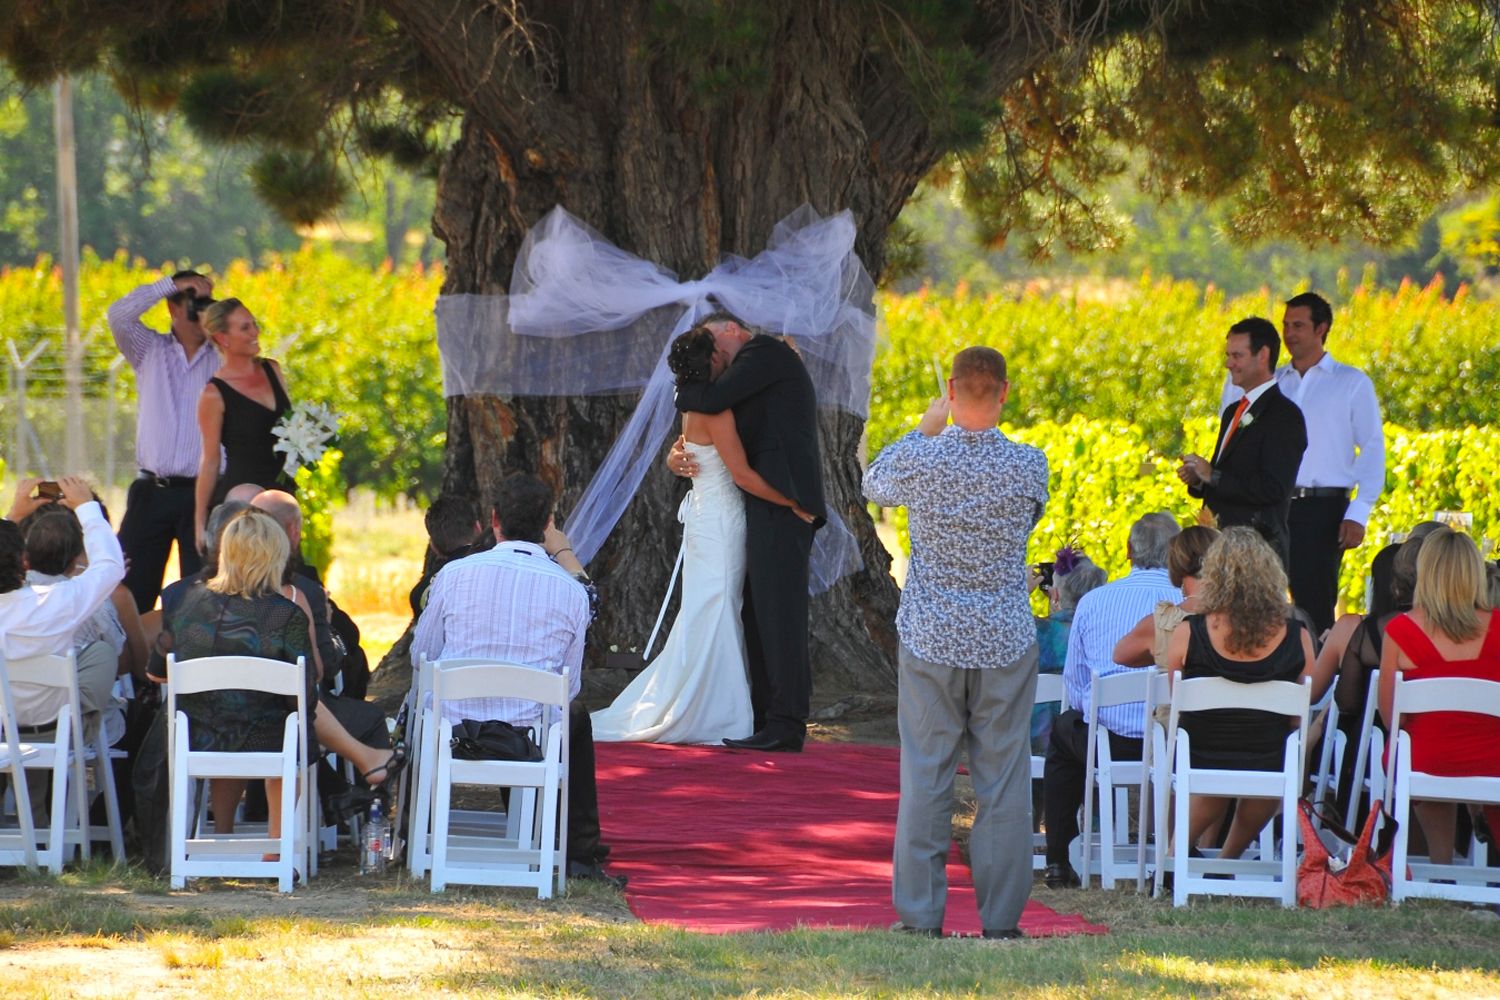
<point>1472,881</point>
<point>529,853</point>
<point>196,853</point>
<point>1359,787</point>
<point>1118,856</point>
<point>1265,876</point>
<point>1049,688</point>
<point>18,844</point>
<point>1331,753</point>
<point>71,759</point>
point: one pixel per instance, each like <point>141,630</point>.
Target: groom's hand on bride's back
<point>679,461</point>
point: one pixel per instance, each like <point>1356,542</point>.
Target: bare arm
<point>721,431</point>
<point>1177,649</point>
<point>133,660</point>
<point>1391,663</point>
<point>1311,668</point>
<point>1134,649</point>
<point>210,427</point>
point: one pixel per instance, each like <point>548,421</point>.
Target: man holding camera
<point>171,370</point>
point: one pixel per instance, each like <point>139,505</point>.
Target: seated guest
<point>218,519</point>
<point>1245,632</point>
<point>522,602</point>
<point>364,720</point>
<point>453,531</point>
<point>1146,644</point>
<point>42,619</point>
<point>246,610</point>
<point>1073,575</point>
<point>1451,631</point>
<point>1102,617</point>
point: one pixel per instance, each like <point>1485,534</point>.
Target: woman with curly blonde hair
<point>1243,632</point>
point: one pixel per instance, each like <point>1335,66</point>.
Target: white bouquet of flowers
<point>303,435</point>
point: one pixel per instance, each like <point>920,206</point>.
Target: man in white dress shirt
<point>1103,617</point>
<point>522,602</point>
<point>171,370</point>
<point>40,620</point>
<point>1345,455</point>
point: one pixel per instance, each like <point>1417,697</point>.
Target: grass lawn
<point>101,932</point>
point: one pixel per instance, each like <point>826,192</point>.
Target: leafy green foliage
<point>320,492</point>
<point>1115,391</point>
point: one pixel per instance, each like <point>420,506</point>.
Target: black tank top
<point>246,435</point>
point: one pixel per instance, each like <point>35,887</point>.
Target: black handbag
<point>494,740</point>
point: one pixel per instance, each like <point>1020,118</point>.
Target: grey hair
<point>217,518</point>
<point>1149,538</point>
<point>1084,577</point>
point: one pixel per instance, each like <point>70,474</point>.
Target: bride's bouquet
<point>303,435</point>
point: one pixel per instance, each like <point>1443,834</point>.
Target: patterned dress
<point>206,623</point>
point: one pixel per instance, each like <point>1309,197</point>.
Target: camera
<point>192,305</point>
<point>1044,570</point>
<point>49,490</point>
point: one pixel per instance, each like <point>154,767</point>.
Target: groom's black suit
<point>1253,474</point>
<point>776,413</point>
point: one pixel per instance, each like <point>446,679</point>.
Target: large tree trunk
<point>626,141</point>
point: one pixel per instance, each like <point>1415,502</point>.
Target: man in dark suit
<point>776,413</point>
<point>1260,445</point>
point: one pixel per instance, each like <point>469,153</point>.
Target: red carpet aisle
<point>718,840</point>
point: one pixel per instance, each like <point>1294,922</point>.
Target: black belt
<point>1319,492</point>
<point>164,481</point>
<point>35,730</point>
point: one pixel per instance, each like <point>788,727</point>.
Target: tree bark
<point>633,147</point>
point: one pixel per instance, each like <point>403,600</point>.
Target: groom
<point>776,413</point>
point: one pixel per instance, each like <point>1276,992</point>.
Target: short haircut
<point>182,293</point>
<point>451,521</point>
<point>252,556</point>
<point>1316,306</point>
<point>1451,586</point>
<point>1149,538</point>
<point>1263,336</point>
<point>1086,575</point>
<point>1186,550</point>
<point>213,532</point>
<point>54,540</point>
<point>725,316</point>
<point>978,373</point>
<point>282,506</point>
<point>12,551</point>
<point>522,506</point>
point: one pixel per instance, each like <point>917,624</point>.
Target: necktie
<point>1234,423</point>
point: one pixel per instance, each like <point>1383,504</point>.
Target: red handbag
<point>1363,880</point>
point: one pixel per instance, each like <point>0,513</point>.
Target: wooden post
<point>67,224</point>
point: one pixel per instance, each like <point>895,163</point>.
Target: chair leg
<point>105,769</point>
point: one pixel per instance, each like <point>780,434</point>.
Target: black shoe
<point>1061,877</point>
<point>1007,934</point>
<point>932,932</point>
<point>769,742</point>
<point>594,872</point>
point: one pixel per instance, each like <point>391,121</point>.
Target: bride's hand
<point>679,462</point>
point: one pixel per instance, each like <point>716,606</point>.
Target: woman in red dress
<point>1451,631</point>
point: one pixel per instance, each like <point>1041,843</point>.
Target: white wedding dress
<point>697,689</point>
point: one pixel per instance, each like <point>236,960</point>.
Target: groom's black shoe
<point>769,741</point>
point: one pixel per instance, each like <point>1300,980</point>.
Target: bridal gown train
<point>697,689</point>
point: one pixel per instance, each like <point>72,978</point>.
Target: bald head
<point>283,507</point>
<point>244,493</point>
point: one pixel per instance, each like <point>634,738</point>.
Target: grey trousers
<point>940,712</point>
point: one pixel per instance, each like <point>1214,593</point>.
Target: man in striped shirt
<point>1103,617</point>
<point>171,370</point>
<point>525,601</point>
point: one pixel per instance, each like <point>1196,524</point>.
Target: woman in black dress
<point>1243,632</point>
<point>239,407</point>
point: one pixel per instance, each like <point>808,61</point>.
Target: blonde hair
<point>1451,584</point>
<point>215,319</point>
<point>1243,580</point>
<point>252,556</point>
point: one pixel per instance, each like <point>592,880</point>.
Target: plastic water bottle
<point>376,836</point>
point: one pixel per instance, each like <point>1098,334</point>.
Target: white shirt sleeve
<point>1369,439</point>
<point>133,337</point>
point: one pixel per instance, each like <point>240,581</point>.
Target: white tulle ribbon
<point>584,317</point>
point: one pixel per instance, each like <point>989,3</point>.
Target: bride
<point>697,689</point>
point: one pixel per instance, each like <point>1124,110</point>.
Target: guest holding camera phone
<point>171,370</point>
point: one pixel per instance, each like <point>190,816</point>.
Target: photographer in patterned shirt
<point>968,655</point>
